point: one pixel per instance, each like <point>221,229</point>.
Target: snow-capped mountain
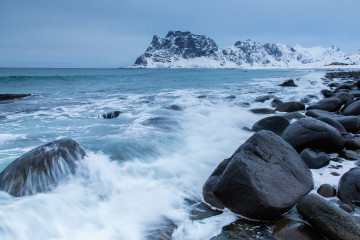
<point>186,50</point>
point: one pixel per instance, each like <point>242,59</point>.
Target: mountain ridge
<point>186,50</point>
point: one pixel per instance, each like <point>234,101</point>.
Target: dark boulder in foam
<point>42,168</point>
<point>276,124</point>
<point>263,179</point>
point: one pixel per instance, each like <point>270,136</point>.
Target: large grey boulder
<point>290,107</point>
<point>263,179</point>
<point>42,168</point>
<point>314,134</point>
<point>353,109</point>
<point>349,187</point>
<point>350,123</point>
<point>331,104</point>
<point>276,124</point>
<point>331,221</point>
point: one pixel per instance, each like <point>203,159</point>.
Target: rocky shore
<point>268,181</point>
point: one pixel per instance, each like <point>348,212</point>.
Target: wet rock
<point>347,207</point>
<point>328,104</point>
<point>4,97</point>
<point>288,83</point>
<point>351,142</point>
<point>201,211</point>
<point>336,174</point>
<point>326,190</point>
<point>349,187</point>
<point>355,93</point>
<point>174,107</point>
<point>231,97</point>
<point>276,102</point>
<point>315,113</point>
<point>295,228</point>
<point>276,124</point>
<point>242,188</point>
<point>344,97</point>
<point>201,96</point>
<point>349,155</point>
<point>314,159</point>
<point>244,229</point>
<point>343,86</point>
<point>327,93</point>
<point>290,107</point>
<point>42,168</point>
<point>330,220</point>
<point>333,85</point>
<point>314,134</point>
<point>333,123</point>
<point>353,109</point>
<point>350,123</point>
<point>293,115</point>
<point>111,115</point>
<point>161,122</point>
<point>263,98</point>
<point>262,110</point>
<point>162,230</point>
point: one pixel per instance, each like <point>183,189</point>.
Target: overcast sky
<point>113,33</point>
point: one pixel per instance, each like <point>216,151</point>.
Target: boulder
<point>343,86</point>
<point>276,124</point>
<point>263,98</point>
<point>349,155</point>
<point>349,187</point>
<point>314,134</point>
<point>4,97</point>
<point>350,123</point>
<point>355,93</point>
<point>315,113</point>
<point>290,107</point>
<point>344,97</point>
<point>289,227</point>
<point>263,179</point>
<point>293,115</point>
<point>331,104</point>
<point>350,142</point>
<point>42,168</point>
<point>327,93</point>
<point>111,115</point>
<point>353,109</point>
<point>262,110</point>
<point>276,102</point>
<point>330,220</point>
<point>314,159</point>
<point>288,83</point>
<point>333,123</point>
<point>326,190</point>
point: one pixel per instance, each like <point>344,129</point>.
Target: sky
<point>113,33</point>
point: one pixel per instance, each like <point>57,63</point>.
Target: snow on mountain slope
<point>186,50</point>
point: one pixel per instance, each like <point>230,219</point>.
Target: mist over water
<point>146,166</point>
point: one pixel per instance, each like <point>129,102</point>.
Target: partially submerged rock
<point>353,109</point>
<point>263,179</point>
<point>42,168</point>
<point>331,221</point>
<point>331,104</point>
<point>350,123</point>
<point>111,115</point>
<point>4,97</point>
<point>288,83</point>
<point>315,113</point>
<point>326,190</point>
<point>314,134</point>
<point>262,110</point>
<point>314,159</point>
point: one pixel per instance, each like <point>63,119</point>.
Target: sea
<point>145,168</point>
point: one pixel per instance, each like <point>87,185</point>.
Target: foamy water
<point>143,168</point>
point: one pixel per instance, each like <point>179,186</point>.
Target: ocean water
<point>143,169</point>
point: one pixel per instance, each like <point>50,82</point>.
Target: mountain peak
<point>183,49</point>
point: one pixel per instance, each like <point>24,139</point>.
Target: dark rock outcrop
<point>314,134</point>
<point>42,168</point>
<point>344,97</point>
<point>263,179</point>
<point>293,115</point>
<point>290,107</point>
<point>276,124</point>
<point>331,221</point>
<point>349,187</point>
<point>111,115</point>
<point>314,159</point>
<point>288,83</point>
<point>315,113</point>
<point>276,102</point>
<point>263,98</point>
<point>174,107</point>
<point>4,97</point>
<point>333,123</point>
<point>262,110</point>
<point>327,93</point>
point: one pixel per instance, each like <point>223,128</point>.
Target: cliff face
<point>186,50</point>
